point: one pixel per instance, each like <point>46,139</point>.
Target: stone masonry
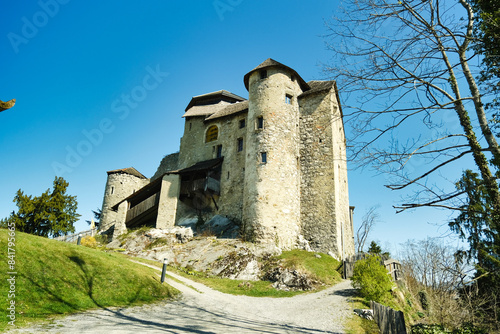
<point>274,164</point>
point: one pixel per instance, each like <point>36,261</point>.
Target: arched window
<point>212,133</point>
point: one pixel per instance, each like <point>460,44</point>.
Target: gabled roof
<point>318,86</point>
<point>213,98</point>
<point>229,110</point>
<point>273,63</point>
<point>129,170</point>
<point>205,110</point>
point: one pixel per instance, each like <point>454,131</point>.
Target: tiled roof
<point>318,86</point>
<point>129,170</point>
<point>229,110</point>
<point>273,63</point>
<point>213,98</point>
<point>205,110</point>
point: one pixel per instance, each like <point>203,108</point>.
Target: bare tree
<point>369,219</point>
<point>405,68</point>
<point>437,279</point>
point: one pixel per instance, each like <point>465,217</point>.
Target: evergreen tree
<point>479,224</point>
<point>97,218</point>
<point>51,214</point>
<point>487,43</point>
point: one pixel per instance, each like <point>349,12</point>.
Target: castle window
<point>263,157</point>
<point>240,144</point>
<point>263,74</point>
<point>190,126</point>
<point>112,190</point>
<point>242,123</point>
<point>212,133</point>
<point>260,122</point>
<point>288,99</point>
<point>219,151</point>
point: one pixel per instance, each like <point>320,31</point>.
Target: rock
<point>188,222</point>
<point>333,255</point>
<point>317,256</point>
<point>286,279</point>
<point>222,227</point>
<point>242,265</point>
<point>364,313</point>
<point>175,234</point>
<point>302,243</point>
<point>114,244</point>
<point>247,285</point>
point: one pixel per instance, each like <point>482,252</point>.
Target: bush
<point>439,329</point>
<point>372,279</point>
<point>89,241</point>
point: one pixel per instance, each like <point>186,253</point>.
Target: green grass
<point>235,287</point>
<point>357,325</point>
<point>323,269</point>
<point>56,278</point>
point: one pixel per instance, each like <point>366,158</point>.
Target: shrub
<point>372,279</point>
<point>89,241</point>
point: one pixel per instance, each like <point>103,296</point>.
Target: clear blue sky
<point>82,70</point>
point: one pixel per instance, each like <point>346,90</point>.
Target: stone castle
<point>274,164</point>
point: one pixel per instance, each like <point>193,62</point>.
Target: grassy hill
<point>56,278</point>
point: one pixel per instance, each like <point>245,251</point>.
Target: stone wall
<point>301,190</point>
<point>118,187</point>
<point>168,163</point>
<point>324,196</point>
<point>230,201</point>
<point>271,208</point>
<point>194,149</point>
<point>193,146</point>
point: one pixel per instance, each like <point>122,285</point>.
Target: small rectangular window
<point>260,122</point>
<point>288,99</point>
<point>263,157</point>
<point>240,144</point>
<point>263,74</point>
<point>219,151</point>
<point>112,190</point>
<point>242,123</point>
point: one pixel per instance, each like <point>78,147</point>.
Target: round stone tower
<point>271,208</point>
<point>121,183</point>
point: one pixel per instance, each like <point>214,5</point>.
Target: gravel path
<point>203,310</point>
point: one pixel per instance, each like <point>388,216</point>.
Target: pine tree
<point>51,214</point>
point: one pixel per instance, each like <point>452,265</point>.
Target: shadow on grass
<point>174,317</point>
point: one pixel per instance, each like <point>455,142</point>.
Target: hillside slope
<point>52,277</point>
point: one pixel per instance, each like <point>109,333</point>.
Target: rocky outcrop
<point>289,279</point>
<point>241,265</point>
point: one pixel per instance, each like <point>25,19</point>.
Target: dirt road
<point>203,310</point>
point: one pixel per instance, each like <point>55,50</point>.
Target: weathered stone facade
<point>274,164</point>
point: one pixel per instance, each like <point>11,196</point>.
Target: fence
<point>349,263</point>
<point>388,320</point>
<point>74,237</point>
<point>392,266</point>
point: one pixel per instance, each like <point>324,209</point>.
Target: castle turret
<point>121,183</point>
<point>271,208</point>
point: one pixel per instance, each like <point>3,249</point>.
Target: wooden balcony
<point>142,210</point>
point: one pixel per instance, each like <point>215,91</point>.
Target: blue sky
<point>103,85</point>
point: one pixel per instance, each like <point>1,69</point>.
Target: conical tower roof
<point>273,63</point>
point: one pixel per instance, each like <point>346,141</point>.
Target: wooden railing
<point>142,207</point>
<point>74,237</point>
